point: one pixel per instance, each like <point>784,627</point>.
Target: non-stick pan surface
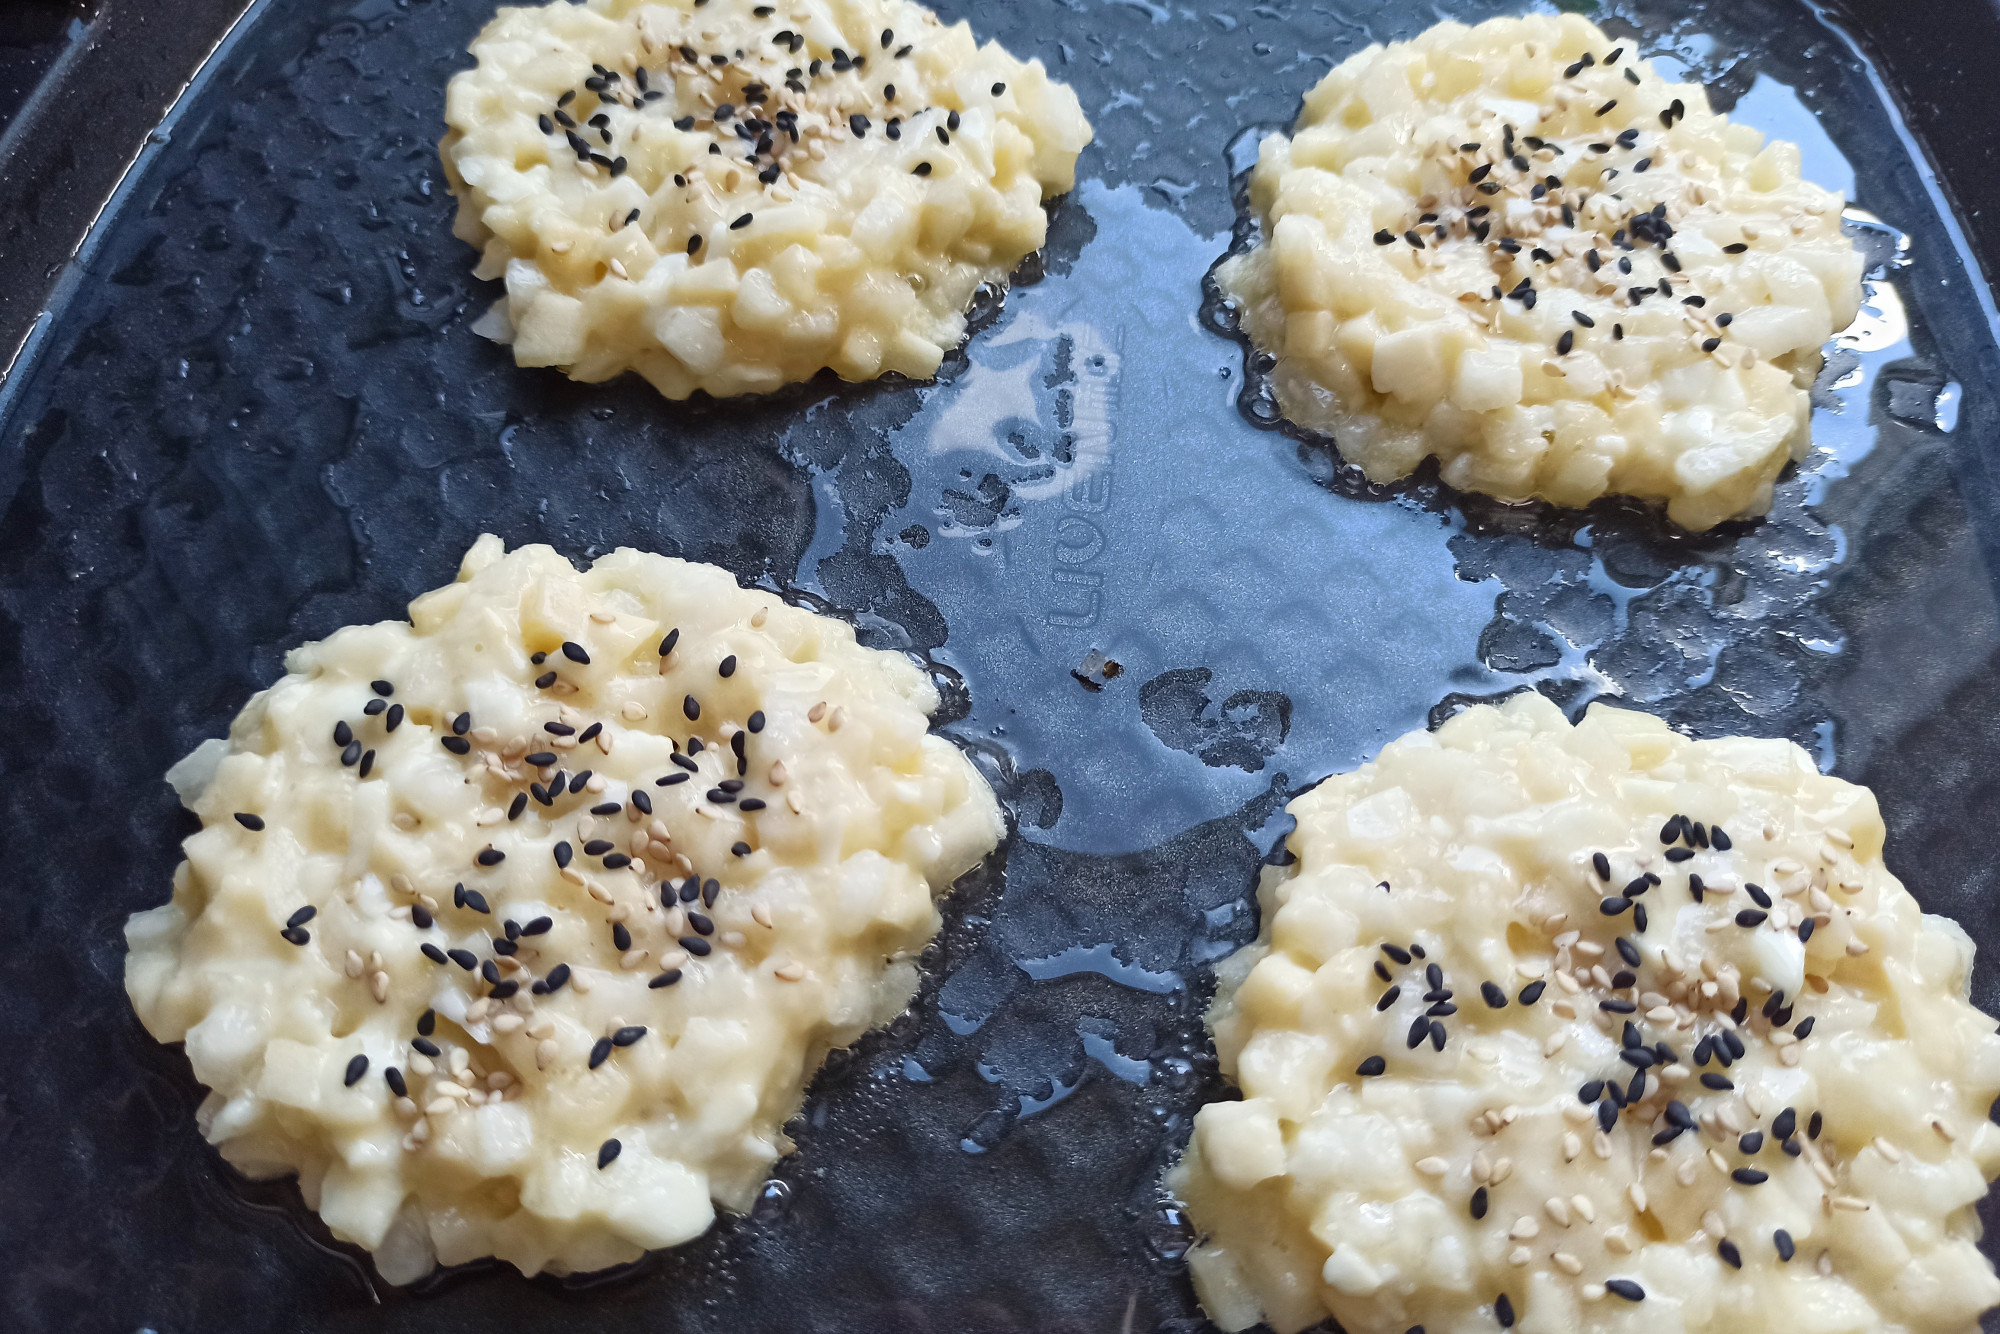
<point>256,412</point>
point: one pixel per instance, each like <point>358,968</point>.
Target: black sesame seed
<point>1750,1143</point>
<point>1601,864</point>
<point>1626,1288</point>
<point>1532,992</point>
<point>1420,1028</point>
<point>343,735</point>
<point>709,889</point>
<point>1716,838</point>
<point>1614,905</point>
<point>1730,1041</point>
<point>425,1047</point>
<point>599,1050</point>
<point>1627,951</point>
<point>666,979</point>
<point>1494,997</point>
<point>296,935</point>
<point>692,708</point>
<point>1751,917</point>
<point>741,849</point>
<point>1615,1006</point>
<point>394,1079</point>
<point>254,823</point>
<point>1503,1311</point>
<point>741,223</point>
<point>557,976</point>
<point>489,857</point>
<point>374,707</point>
<point>575,653</point>
<point>421,916</point>
<point>1680,854</point>
<point>432,952</point>
<point>628,1035</point>
<point>695,945</point>
<point>1805,1028</point>
<point>1812,1126</point>
<point>1479,1203</point>
<point>1749,1176</point>
<point>302,916</point>
<point>1730,1255</point>
<point>457,745</point>
<point>490,971</point>
<point>1371,1067</point>
<point>352,755</point>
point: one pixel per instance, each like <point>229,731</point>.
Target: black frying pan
<point>255,413</point>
